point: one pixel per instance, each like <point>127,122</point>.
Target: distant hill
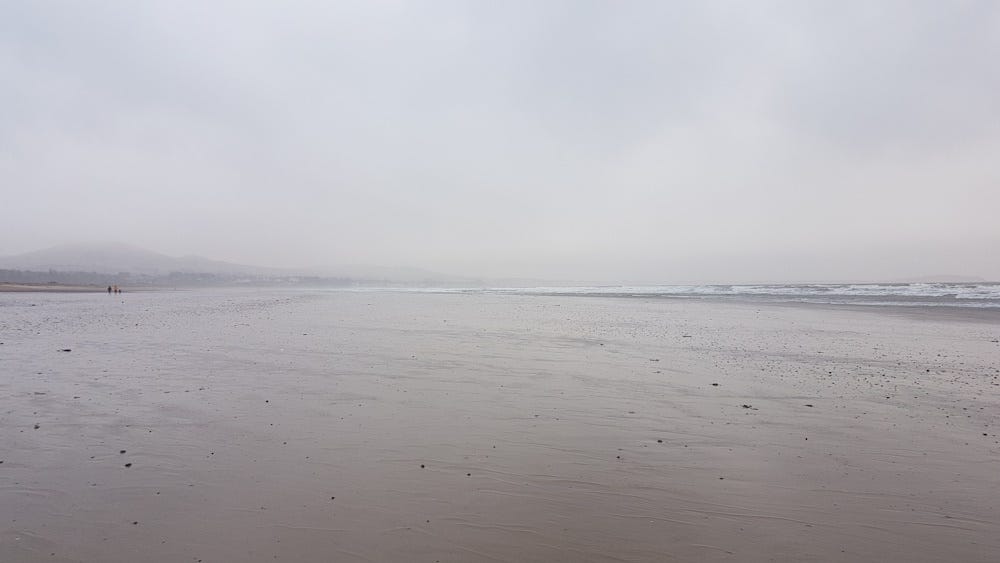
<point>117,258</point>
<point>113,258</point>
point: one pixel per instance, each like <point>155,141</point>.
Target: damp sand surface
<point>48,288</point>
<point>235,425</point>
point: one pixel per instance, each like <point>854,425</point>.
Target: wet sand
<point>305,426</point>
<point>49,288</point>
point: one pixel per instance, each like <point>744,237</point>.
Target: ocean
<point>981,295</point>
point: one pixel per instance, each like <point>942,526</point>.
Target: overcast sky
<point>642,141</point>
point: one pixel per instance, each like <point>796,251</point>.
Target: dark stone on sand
<point>65,350</point>
<point>659,441</point>
<point>135,523</point>
<point>715,385</point>
<point>331,498</point>
<point>37,427</point>
<point>748,406</point>
<point>128,465</point>
<point>808,405</point>
<point>121,451</point>
<point>468,474</point>
<point>421,466</point>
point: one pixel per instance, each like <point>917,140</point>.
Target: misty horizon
<point>113,257</point>
<point>609,143</point>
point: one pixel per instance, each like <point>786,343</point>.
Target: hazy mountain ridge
<point>113,258</point>
<point>97,260</point>
<point>119,258</point>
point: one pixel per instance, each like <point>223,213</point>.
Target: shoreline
<point>917,310</point>
<point>49,288</point>
<point>920,311</point>
<point>65,288</point>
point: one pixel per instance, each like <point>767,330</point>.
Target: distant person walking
<point>109,290</point>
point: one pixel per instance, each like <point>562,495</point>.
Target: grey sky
<point>656,141</point>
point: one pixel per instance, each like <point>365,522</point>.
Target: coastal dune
<point>292,425</point>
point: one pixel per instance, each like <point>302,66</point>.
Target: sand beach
<point>291,425</point>
<point>49,288</point>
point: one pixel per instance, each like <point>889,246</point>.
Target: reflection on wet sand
<point>313,426</point>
